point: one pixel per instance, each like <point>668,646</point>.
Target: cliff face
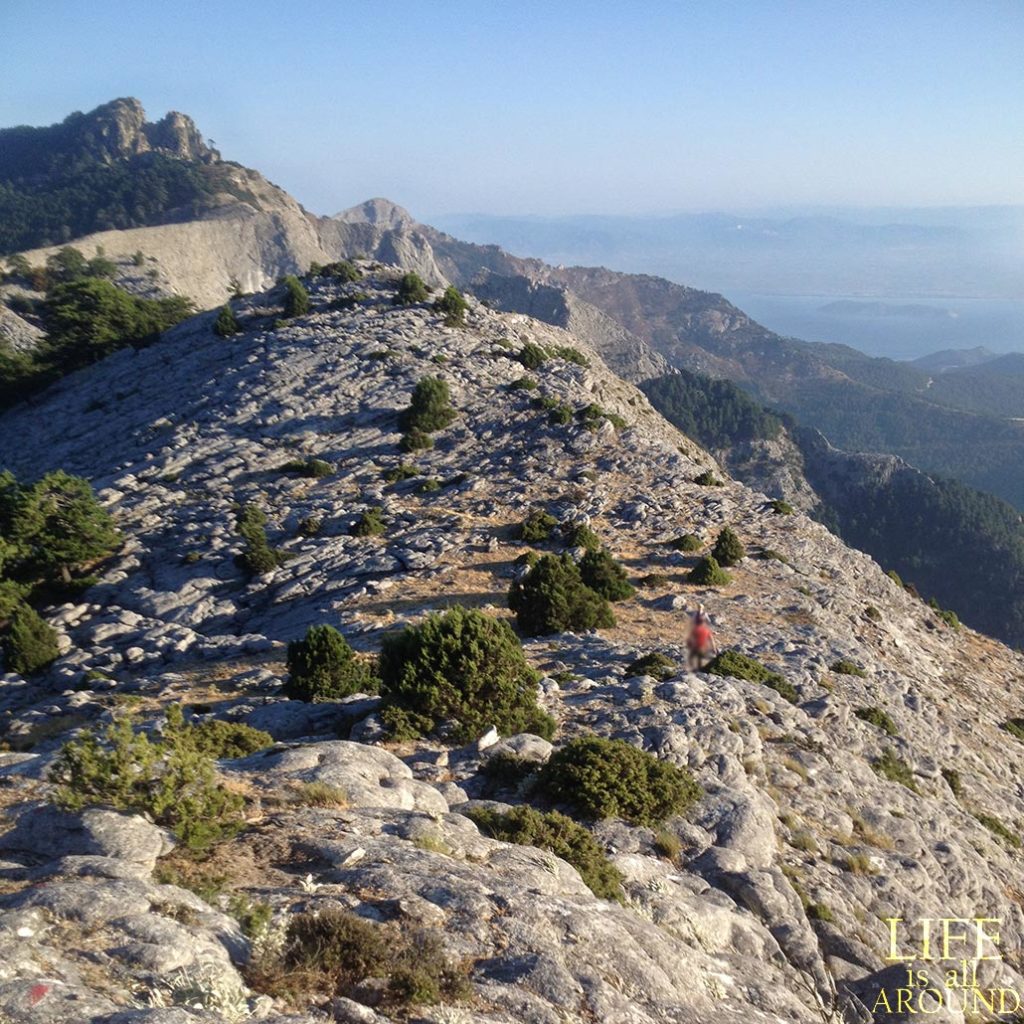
<point>874,781</point>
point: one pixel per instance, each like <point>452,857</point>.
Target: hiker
<point>701,641</point>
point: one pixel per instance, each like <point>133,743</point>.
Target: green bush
<point>1015,727</point>
<point>605,576</point>
<point>430,408</point>
<point>322,666</point>
<point>552,598</point>
<point>523,384</point>
<point>58,525</point>
<point>226,323</point>
<point>328,952</point>
<point>953,780</point>
<point>655,581</point>
<point>342,270</point>
<point>604,778</point>
<point>878,718</point>
<point>780,507</point>
<point>707,479</point>
<point>848,668</point>
<point>411,289</point>
<point>532,356</point>
<point>258,557</point>
<point>561,836</point>
<point>578,535</point>
<point>728,549</point>
<point>228,739</point>
<point>687,542</point>
<point>310,526</point>
<point>742,666</point>
<point>296,298</point>
<point>415,441</point>
<point>169,779</point>
<point>708,573</point>
<point>537,526</point>
<point>459,674</point>
<point>30,643</point>
<point>997,828</point>
<point>403,471</point>
<point>315,469</point>
<point>658,665</point>
<point>453,306</point>
<point>892,767</point>
<point>369,524</point>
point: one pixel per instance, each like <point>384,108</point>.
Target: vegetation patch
<point>605,576</point>
<point>369,524</point>
<point>708,573</point>
<point>742,666</point>
<point>537,527</point>
<point>452,306</point>
<point>728,550</point>
<point>998,829</point>
<point>656,664</point>
<point>314,469</point>
<point>322,666</point>
<point>892,767</point>
<point>878,718</point>
<point>257,557</point>
<point>411,290</point>
<point>455,675</point>
<point>604,778</point>
<point>552,598</point>
<point>561,836</point>
<point>430,408</point>
<point>844,667</point>
<point>170,779</point>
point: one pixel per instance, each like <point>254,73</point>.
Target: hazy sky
<point>560,106</point>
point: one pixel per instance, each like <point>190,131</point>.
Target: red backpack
<point>700,637</point>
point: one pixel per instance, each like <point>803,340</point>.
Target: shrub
<point>560,414</point>
<point>655,581</point>
<point>169,779</point>
<point>892,767</point>
<point>579,535</point>
<point>728,549</point>
<point>819,912</point>
<point>369,524</point>
<point>310,526</point>
<point>226,323</point>
<point>552,598</point>
<point>30,643</point>
<point>403,471</point>
<point>315,469</point>
<point>708,573</point>
<point>430,408</point>
<point>687,542</point>
<point>707,479</point>
<point>604,778</point>
<point>952,777</point>
<point>537,526</point>
<point>742,666</point>
<point>322,666</point>
<point>561,836</point>
<point>605,576</point>
<point>258,557</point>
<point>453,306</point>
<point>296,298</point>
<point>667,844</point>
<point>848,668</point>
<point>532,356</point>
<point>878,718</point>
<point>569,354</point>
<point>342,270</point>
<point>780,507</point>
<point>411,289</point>
<point>1015,727</point>
<point>331,951</point>
<point>415,441</point>
<point>228,739</point>
<point>872,613</point>
<point>429,485</point>
<point>997,828</point>
<point>460,673</point>
<point>523,384</point>
<point>59,525</point>
<point>656,664</point>
<point>592,415</point>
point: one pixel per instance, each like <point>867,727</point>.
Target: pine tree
<point>226,323</point>
<point>296,298</point>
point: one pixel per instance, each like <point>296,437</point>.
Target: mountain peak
<point>382,213</point>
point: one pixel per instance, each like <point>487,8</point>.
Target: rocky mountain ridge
<point>771,905</point>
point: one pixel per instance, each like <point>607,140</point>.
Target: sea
<point>900,327</point>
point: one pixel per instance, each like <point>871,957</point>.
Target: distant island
<point>853,307</point>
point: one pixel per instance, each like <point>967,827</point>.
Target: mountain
<point>876,775</point>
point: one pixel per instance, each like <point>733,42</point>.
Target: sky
<point>575,106</point>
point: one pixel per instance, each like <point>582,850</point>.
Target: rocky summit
<point>862,772</point>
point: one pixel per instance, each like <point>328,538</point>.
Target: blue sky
<point>568,107</point>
